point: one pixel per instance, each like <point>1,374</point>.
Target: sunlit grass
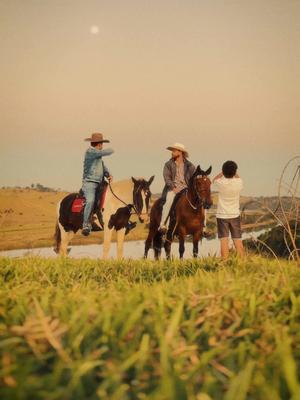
<point>196,329</point>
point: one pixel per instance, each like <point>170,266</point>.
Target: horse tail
<point>57,233</point>
<point>57,238</point>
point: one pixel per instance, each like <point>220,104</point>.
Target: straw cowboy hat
<point>96,137</point>
<point>179,146</point>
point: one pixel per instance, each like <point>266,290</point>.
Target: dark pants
<point>229,224</point>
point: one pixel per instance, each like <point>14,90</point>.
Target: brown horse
<point>186,216</point>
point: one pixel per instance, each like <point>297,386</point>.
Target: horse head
<point>201,184</point>
<point>142,196</point>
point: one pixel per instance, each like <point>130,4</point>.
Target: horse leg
<point>148,242</point>
<point>167,246</point>
<point>181,247</point>
<point>120,242</point>
<point>57,238</point>
<point>157,245</point>
<point>181,236</point>
<point>106,241</point>
<point>65,240</point>
<point>196,238</point>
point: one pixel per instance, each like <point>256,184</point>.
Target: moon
<point>94,29</point>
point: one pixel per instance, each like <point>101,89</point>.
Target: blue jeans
<point>89,190</point>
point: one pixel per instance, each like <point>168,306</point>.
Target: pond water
<point>133,249</point>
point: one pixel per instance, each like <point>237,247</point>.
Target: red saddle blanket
<point>79,202</point>
<point>78,205</point>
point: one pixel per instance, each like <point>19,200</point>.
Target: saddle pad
<point>78,205</point>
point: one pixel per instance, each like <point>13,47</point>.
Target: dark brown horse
<point>186,216</point>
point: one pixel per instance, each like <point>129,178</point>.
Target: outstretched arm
<point>93,154</point>
<point>217,177</point>
<point>96,153</point>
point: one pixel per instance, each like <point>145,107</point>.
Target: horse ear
<point>150,180</point>
<point>201,172</point>
<point>133,180</point>
<point>208,171</point>
<point>197,171</point>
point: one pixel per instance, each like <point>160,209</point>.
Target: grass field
<point>196,329</point>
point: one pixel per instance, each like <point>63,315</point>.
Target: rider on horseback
<point>94,172</point>
<point>177,173</point>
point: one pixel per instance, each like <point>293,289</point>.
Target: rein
<point>193,207</point>
<point>198,198</point>
<point>127,205</point>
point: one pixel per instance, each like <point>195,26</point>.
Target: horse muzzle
<point>207,205</point>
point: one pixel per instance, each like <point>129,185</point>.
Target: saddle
<point>172,213</point>
<point>175,201</point>
<point>79,201</point>
<point>78,205</point>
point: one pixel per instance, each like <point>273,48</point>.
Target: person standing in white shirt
<point>228,184</point>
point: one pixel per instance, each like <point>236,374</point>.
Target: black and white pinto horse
<point>133,193</point>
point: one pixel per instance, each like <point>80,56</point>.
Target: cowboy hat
<point>180,147</point>
<point>96,137</point>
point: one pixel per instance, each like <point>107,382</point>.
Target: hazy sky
<point>222,77</point>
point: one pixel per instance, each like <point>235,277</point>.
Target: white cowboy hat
<point>180,147</point>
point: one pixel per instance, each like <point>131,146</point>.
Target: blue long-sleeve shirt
<point>93,166</point>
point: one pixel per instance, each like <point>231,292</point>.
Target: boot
<point>86,231</point>
<point>98,223</point>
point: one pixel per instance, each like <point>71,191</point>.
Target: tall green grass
<point>199,330</point>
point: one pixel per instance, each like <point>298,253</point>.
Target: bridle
<point>198,194</point>
<point>147,196</point>
<point>129,206</point>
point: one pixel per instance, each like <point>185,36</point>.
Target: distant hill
<point>27,217</point>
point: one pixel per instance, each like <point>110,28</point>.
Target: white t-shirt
<point>229,197</point>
